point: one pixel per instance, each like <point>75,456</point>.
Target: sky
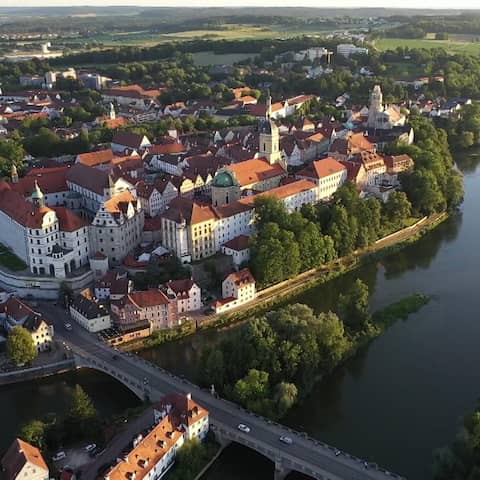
<point>459,4</point>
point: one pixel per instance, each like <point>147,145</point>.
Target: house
<point>15,313</point>
<point>23,461</point>
<point>90,314</point>
<point>328,174</point>
<point>150,305</point>
<point>397,164</point>
<point>238,288</point>
<point>124,141</point>
<point>177,419</point>
<point>113,286</point>
<point>187,294</point>
<point>238,248</point>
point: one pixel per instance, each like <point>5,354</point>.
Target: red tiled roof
<point>165,148</point>
<point>242,277</point>
<point>255,170</point>
<point>182,286</point>
<point>69,221</point>
<point>88,177</point>
<point>148,298</point>
<point>321,168</point>
<point>92,159</point>
<point>50,180</point>
<point>238,243</point>
<point>190,210</point>
<point>19,454</point>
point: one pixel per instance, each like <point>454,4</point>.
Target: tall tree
<point>21,348</point>
<point>353,306</point>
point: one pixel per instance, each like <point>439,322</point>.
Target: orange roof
<point>191,211</point>
<point>165,148</point>
<point>148,298</point>
<point>321,168</point>
<point>50,180</point>
<point>300,99</point>
<point>69,221</point>
<point>255,170</point>
<point>284,191</point>
<point>19,454</point>
<point>113,123</point>
<point>242,277</point>
<point>92,159</point>
<point>134,91</point>
<point>115,203</point>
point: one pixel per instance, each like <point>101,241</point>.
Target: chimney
<point>189,396</point>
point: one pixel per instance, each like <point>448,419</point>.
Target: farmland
<point>456,44</point>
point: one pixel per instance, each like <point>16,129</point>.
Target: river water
<point>394,402</point>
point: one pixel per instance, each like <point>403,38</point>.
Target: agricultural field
<point>456,44</point>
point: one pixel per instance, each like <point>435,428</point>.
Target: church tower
<point>269,137</point>
<point>14,174</point>
<point>376,106</point>
<point>38,198</point>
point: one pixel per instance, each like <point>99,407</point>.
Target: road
<point>224,416</point>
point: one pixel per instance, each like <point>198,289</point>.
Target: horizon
<point>348,4</point>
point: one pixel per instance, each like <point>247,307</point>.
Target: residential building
<point>15,313</point>
<point>397,164</point>
<point>23,461</point>
<point>150,305</point>
<point>178,419</point>
<point>90,314</point>
<point>238,288</point>
<point>187,294</point>
<point>238,248</point>
<point>348,49</point>
<point>113,286</point>
<point>328,174</point>
<point>124,141</point>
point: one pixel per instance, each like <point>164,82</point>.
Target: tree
<point>353,306</point>
<point>81,406</point>
<point>34,432</point>
<point>20,346</point>
<point>214,370</point>
<point>81,420</point>
<point>65,294</point>
<point>253,390</point>
<point>398,208</point>
<point>284,397</point>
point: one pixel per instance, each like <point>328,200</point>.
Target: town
<point>152,199</point>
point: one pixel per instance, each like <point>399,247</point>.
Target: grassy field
<point>10,260</point>
<point>204,59</point>
<point>454,45</point>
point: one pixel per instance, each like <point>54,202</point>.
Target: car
<point>337,453</point>
<point>365,464</point>
<point>286,440</point>
<point>68,326</point>
<point>90,447</point>
<point>59,456</point>
<point>243,428</point>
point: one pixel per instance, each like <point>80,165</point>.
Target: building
<point>348,49</point>
<point>51,241</point>
<point>113,286</point>
<point>23,461</point>
<point>238,249</point>
<point>328,174</point>
<point>238,288</point>
<point>117,227</point>
<point>151,305</point>
<point>124,141</point>
<point>15,313</point>
<point>155,197</point>
<point>383,117</point>
<point>90,314</point>
<point>178,419</point>
<point>187,294</point>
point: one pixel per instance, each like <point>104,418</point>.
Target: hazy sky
<point>247,3</point>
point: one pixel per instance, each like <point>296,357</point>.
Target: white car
<point>90,447</point>
<point>68,326</point>
<point>59,456</point>
<point>286,440</point>
<point>243,428</point>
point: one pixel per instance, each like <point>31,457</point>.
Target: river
<point>405,395</point>
<point>394,402</point>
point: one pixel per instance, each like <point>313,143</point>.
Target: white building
<point>23,461</point>
<point>328,174</point>
<point>238,288</point>
<point>348,49</point>
<point>187,293</point>
<point>238,249</point>
<point>89,314</point>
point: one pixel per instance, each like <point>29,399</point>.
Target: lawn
<point>10,260</point>
<point>453,45</point>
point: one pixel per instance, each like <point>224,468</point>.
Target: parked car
<point>59,456</point>
<point>243,428</point>
<point>90,447</point>
<point>286,440</point>
<point>68,326</point>
<point>337,453</point>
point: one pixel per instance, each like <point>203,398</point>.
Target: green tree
<point>398,208</point>
<point>353,306</point>
<point>284,397</point>
<point>214,370</point>
<point>20,346</point>
<point>253,390</point>
<point>34,432</point>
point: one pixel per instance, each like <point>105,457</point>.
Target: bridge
<point>306,455</point>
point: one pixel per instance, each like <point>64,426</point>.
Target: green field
<point>454,45</point>
<point>10,260</point>
<point>203,59</point>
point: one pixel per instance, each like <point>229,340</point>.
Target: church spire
<point>38,198</point>
<point>268,113</point>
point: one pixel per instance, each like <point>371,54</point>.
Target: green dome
<point>223,179</point>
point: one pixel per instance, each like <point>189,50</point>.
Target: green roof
<point>223,179</point>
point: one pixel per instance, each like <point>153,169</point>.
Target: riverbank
<point>280,294</point>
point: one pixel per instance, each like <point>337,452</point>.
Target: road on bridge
<point>224,416</point>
